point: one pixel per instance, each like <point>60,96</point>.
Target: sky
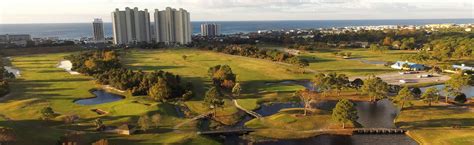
<point>72,11</point>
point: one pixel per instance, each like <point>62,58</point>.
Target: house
<point>126,129</point>
<point>463,67</point>
<point>411,66</point>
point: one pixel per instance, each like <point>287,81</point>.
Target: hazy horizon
<point>256,20</point>
<point>60,11</point>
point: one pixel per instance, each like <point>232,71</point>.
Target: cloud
<point>85,10</point>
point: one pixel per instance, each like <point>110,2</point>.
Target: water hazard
<point>101,98</point>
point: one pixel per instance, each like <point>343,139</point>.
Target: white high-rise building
<point>210,30</point>
<point>131,26</point>
<point>98,29</point>
<point>172,26</point>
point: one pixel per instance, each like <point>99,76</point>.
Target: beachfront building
<point>98,29</point>
<point>172,26</point>
<point>405,65</point>
<point>210,30</point>
<point>131,26</point>
<point>15,39</point>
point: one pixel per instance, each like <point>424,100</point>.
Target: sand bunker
<point>15,72</point>
<point>67,65</point>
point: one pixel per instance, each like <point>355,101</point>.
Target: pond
<point>101,98</point>
<point>468,90</point>
<point>371,115</point>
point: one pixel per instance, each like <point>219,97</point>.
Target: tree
<point>461,98</point>
<point>403,97</point>
<point>307,97</point>
<point>455,85</point>
<point>340,83</point>
<point>375,87</point>
<point>302,63</point>
<point>320,82</point>
<point>430,95</point>
<point>214,98</point>
<point>144,122</point>
<point>416,91</point>
<point>99,125</point>
<point>47,113</point>
<point>387,41</point>
<point>357,83</point>
<point>155,119</point>
<point>160,91</point>
<point>344,112</point>
<point>236,89</point>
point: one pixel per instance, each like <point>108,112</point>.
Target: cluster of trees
<point>146,122</point>
<point>343,54</point>
<point>105,67</point>
<point>444,49</point>
<point>224,84</point>
<point>455,85</point>
<point>329,82</point>
<point>375,88</point>
<point>261,53</point>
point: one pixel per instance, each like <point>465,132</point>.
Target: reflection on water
<point>468,90</point>
<point>101,97</point>
<point>369,139</point>
<point>272,108</point>
<point>371,115</point>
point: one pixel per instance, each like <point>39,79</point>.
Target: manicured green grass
<point>249,104</point>
<point>325,61</point>
<point>434,125</point>
<point>443,136</point>
<point>389,55</point>
<point>251,72</point>
<point>42,84</point>
<point>290,123</point>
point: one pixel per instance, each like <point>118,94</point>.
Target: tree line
<point>105,67</point>
<point>4,77</point>
<point>261,53</point>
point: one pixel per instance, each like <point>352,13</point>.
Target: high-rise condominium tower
<point>131,26</point>
<point>98,29</point>
<point>210,30</point>
<point>172,26</point>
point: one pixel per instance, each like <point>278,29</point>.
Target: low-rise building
<point>463,67</point>
<point>15,39</point>
<point>408,65</point>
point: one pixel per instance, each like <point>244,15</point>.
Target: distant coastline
<point>78,30</point>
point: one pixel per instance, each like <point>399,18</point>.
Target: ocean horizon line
<point>262,20</point>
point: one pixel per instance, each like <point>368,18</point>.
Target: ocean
<point>78,30</point>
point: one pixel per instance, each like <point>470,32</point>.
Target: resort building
<point>15,39</point>
<point>131,26</point>
<point>405,65</point>
<point>98,29</point>
<point>172,26</point>
<point>210,30</point>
